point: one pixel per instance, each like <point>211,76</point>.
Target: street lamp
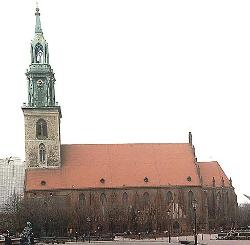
<point>88,220</point>
<point>169,225</point>
<point>195,204</point>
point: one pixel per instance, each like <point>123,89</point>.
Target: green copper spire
<point>40,75</point>
<point>38,28</point>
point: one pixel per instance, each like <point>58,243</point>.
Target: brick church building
<point>135,187</point>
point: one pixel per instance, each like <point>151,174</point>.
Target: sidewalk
<point>159,240</point>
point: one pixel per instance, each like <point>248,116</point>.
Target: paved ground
<point>207,239</point>
<point>166,242</point>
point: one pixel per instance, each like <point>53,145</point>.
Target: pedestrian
<point>154,231</point>
<point>83,237</point>
<point>27,235</point>
<point>76,235</point>
<point>22,239</point>
<point>8,240</point>
<point>32,240</point>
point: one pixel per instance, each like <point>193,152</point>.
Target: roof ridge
<point>129,144</point>
<point>210,162</point>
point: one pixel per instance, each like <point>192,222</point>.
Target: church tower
<point>41,113</point>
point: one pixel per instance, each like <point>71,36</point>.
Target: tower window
<point>42,153</point>
<point>39,53</point>
<point>41,129</point>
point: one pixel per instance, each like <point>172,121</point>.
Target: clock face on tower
<point>39,83</point>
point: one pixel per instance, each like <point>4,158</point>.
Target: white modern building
<point>12,171</point>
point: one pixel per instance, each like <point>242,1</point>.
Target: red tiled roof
<point>120,165</point>
<point>208,170</point>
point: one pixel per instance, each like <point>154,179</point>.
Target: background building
<point>12,172</point>
<point>115,187</point>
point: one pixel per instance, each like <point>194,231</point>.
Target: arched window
<point>205,199</point>
<point>218,204</point>
<point>82,200</point>
<point>41,129</point>
<point>146,199</point>
<point>190,200</point>
<point>103,199</point>
<point>113,198</point>
<point>39,53</point>
<point>226,202</point>
<point>136,200</point>
<point>42,153</point>
<point>169,197</point>
<point>176,225</point>
<point>212,207</point>
<point>125,199</point>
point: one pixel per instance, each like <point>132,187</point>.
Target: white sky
<point>137,71</point>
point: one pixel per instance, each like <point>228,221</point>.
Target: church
<point>116,187</point>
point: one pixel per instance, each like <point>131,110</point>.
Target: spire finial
<point>37,9</point>
<point>38,28</point>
